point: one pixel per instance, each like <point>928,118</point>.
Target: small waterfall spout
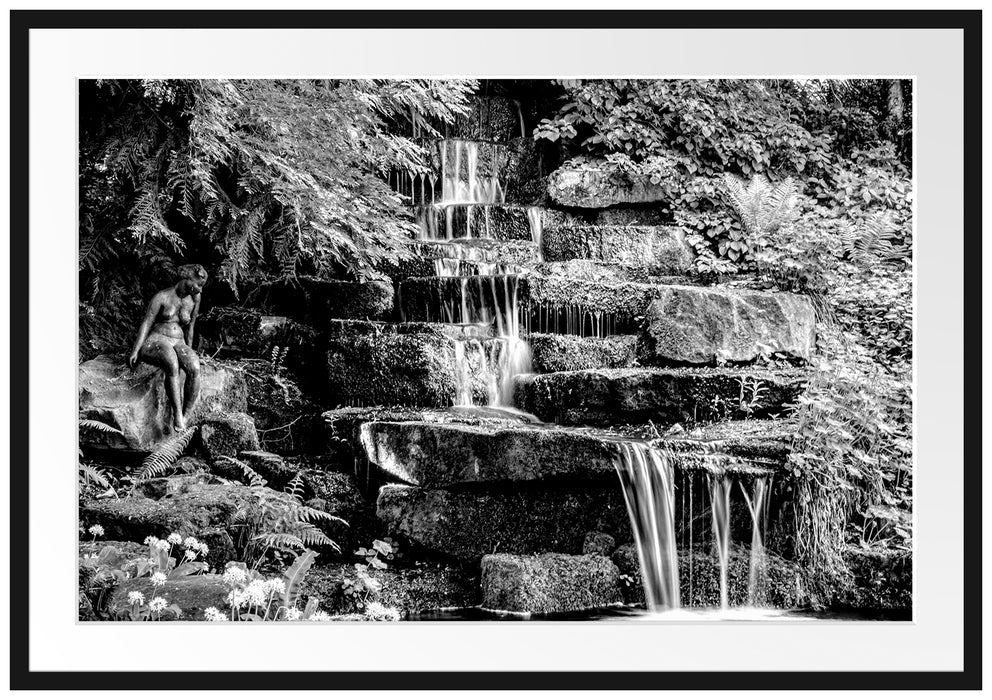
<point>757,505</point>
<point>646,475</point>
<point>720,486</point>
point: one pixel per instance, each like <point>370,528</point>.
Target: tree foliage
<point>256,179</point>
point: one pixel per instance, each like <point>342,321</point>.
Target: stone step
<point>313,300</point>
<point>658,249</point>
<point>682,324</point>
<point>458,221</point>
<point>599,184</point>
<point>664,396</point>
<point>500,452</point>
<point>563,353</point>
<point>549,583</point>
<point>435,455</point>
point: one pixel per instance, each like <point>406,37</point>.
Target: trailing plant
<point>279,522</point>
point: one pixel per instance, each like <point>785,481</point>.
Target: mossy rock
<point>549,583</point>
<point>566,353</point>
<point>228,434</point>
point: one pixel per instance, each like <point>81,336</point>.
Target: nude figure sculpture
<point>165,339</point>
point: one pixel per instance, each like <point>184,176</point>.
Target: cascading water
<point>757,505</point>
<point>488,289</point>
<point>720,486</point>
<point>647,477</point>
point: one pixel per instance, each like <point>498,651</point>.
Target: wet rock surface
<point>313,300</point>
<point>135,403</point>
<point>665,396</point>
<point>659,249</point>
<point>468,525</point>
<point>698,325</point>
<point>565,353</point>
<point>549,583</point>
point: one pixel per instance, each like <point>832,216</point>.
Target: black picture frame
<point>22,21</point>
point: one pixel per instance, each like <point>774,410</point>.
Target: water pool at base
<point>681,615</point>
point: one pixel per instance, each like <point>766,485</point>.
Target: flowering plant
<point>160,561</point>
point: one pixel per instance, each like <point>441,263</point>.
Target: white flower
<point>237,599</point>
<point>175,538</point>
<point>191,543</point>
<point>191,554</point>
<point>163,545</point>
<point>158,604</point>
<point>158,578</point>
<point>378,611</point>
<point>136,597</point>
<point>235,576</point>
<point>293,614</point>
<point>212,614</point>
<point>275,586</point>
<point>257,593</point>
<point>204,549</point>
<point>319,616</point>
<point>151,540</point>
<point>97,530</point>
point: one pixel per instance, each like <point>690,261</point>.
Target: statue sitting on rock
<point>165,339</point>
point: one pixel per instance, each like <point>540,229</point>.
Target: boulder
<point>598,184</point>
<point>246,331</point>
<point>314,301</point>
<point>699,579</point>
<point>415,369</point>
<point>228,434</point>
<point>410,590</point>
<point>661,250</point>
<point>438,455</point>
<point>134,401</point>
<point>664,396</point>
<point>193,594</point>
<point>549,583</point>
<point>191,508</point>
<point>700,325</point>
<point>468,525</point>
<point>270,466</point>
<point>552,352</point>
<point>598,543</point>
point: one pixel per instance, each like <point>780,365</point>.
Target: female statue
<point>165,339</point>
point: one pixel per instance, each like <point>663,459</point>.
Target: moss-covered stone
<point>409,590</point>
<point>598,543</point>
<point>438,455</point>
<point>134,401</point>
<point>313,300</point>
<point>565,353</point>
<point>600,184</point>
<point>228,434</point>
<point>699,325</point>
<point>523,520</point>
<point>193,594</point>
<point>548,583</point>
<point>659,249</point>
<point>664,396</point>
<point>287,420</point>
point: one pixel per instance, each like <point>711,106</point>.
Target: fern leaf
<point>254,478</point>
<point>162,459</point>
<point>94,475</point>
<point>294,577</point>
<point>98,426</point>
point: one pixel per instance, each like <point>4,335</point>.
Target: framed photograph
<point>495,349</point>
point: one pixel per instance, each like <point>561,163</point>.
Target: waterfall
<point>646,475</point>
<point>720,486</point>
<point>488,290</point>
<point>536,230</point>
<point>757,506</point>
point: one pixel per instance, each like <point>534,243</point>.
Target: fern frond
<point>98,426</point>
<point>162,459</point>
<point>294,576</point>
<point>279,540</point>
<point>295,487</point>
<point>254,478</point>
<point>94,475</point>
<point>306,514</point>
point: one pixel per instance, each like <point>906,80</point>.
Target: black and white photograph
<point>419,349</point>
<point>562,348</point>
